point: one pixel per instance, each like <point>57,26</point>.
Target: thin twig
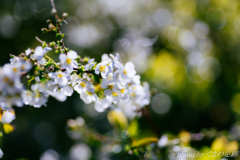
<point>38,39</point>
<point>58,24</point>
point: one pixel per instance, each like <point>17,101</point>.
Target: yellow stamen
<point>134,88</point>
<point>89,93</point>
<point>122,91</point>
<point>29,93</point>
<point>6,79</point>
<point>82,84</point>
<point>60,75</point>
<point>101,68</point>
<point>22,67</point>
<point>15,69</point>
<point>133,94</point>
<point>68,61</point>
<point>114,94</point>
<point>38,95</point>
<point>125,72</point>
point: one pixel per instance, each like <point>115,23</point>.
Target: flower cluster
<point>108,83</point>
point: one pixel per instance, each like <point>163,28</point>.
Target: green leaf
<point>133,128</point>
<point>144,141</point>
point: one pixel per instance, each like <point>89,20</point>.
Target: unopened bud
<point>51,26</point>
<point>44,30</point>
<point>54,11</point>
<point>44,44</point>
<point>52,44</point>
<point>65,15</point>
<point>49,21</point>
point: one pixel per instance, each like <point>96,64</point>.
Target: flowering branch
<point>59,23</point>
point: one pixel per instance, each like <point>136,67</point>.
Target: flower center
<point>125,72</point>
<point>90,94</point>
<point>133,94</point>
<point>60,75</point>
<point>82,84</point>
<point>110,86</point>
<point>122,91</point>
<point>68,61</point>
<point>102,68</point>
<point>11,84</point>
<point>22,67</point>
<point>15,70</point>
<point>38,95</point>
<point>114,94</point>
<point>6,79</point>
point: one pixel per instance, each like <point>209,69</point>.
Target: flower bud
<point>44,30</point>
<point>51,26</point>
<point>44,44</point>
<point>52,44</point>
<point>54,11</point>
<point>49,21</point>
<point>65,15</point>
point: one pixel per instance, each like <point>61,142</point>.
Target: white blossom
<point>7,116</point>
<point>104,68</point>
<point>68,61</point>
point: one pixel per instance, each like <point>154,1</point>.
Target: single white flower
<point>59,78</point>
<point>82,86</point>
<point>7,116</point>
<point>90,64</point>
<point>24,65</point>
<point>12,71</point>
<point>10,86</point>
<point>104,68</point>
<point>27,97</point>
<point>115,96</point>
<point>39,100</point>
<point>68,61</point>
<point>88,96</point>
<point>39,54</point>
<point>128,71</point>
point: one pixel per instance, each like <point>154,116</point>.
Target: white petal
<point>62,57</point>
<point>46,49</point>
<point>7,117</point>
<point>28,51</point>
<point>62,81</point>
<point>68,90</point>
<point>72,54</point>
<point>39,51</point>
<point>129,65</point>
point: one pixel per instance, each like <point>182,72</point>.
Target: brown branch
<point>39,40</point>
<point>147,116</point>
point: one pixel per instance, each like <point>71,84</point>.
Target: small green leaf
<point>144,141</point>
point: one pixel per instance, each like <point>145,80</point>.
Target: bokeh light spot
<point>161,103</point>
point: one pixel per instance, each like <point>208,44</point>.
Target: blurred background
<point>187,50</point>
